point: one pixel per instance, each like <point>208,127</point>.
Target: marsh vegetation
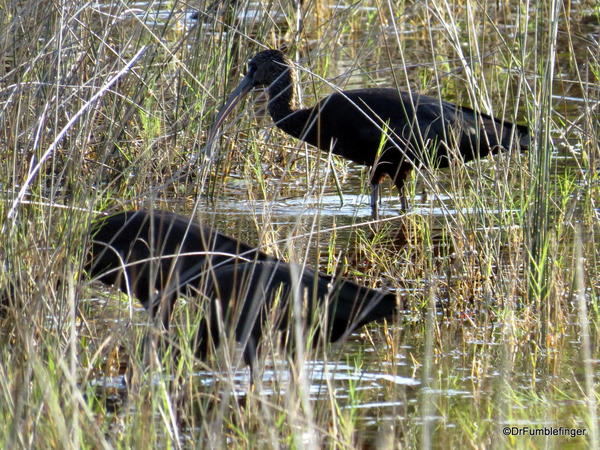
<point>107,106</point>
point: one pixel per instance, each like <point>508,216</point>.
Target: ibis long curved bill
<point>238,94</point>
<point>390,131</point>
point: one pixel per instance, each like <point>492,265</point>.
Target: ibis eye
<point>251,67</point>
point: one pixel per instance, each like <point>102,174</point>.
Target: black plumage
<point>164,254</point>
<point>389,130</point>
<point>157,255</point>
<point>247,292</point>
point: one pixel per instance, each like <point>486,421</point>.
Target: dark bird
<point>390,131</point>
<point>163,254</point>
<point>157,256</point>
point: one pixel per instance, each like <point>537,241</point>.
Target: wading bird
<point>157,256</point>
<point>390,131</point>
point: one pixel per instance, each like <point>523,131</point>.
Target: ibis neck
<point>282,99</point>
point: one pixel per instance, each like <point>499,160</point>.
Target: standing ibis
<point>390,131</point>
<point>157,256</point>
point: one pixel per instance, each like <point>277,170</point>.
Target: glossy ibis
<point>262,294</point>
<point>157,255</point>
<point>163,254</point>
<point>390,131</point>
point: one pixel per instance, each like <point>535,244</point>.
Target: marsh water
<point>302,221</point>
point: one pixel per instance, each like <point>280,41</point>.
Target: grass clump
<point>107,106</point>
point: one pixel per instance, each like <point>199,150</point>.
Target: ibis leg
<point>401,176</point>
<point>375,201</point>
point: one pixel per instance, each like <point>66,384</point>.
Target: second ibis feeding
<point>388,130</point>
<point>158,256</point>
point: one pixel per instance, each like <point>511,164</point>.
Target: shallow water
<point>468,367</point>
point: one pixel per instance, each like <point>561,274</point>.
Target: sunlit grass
<point>497,267</point>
